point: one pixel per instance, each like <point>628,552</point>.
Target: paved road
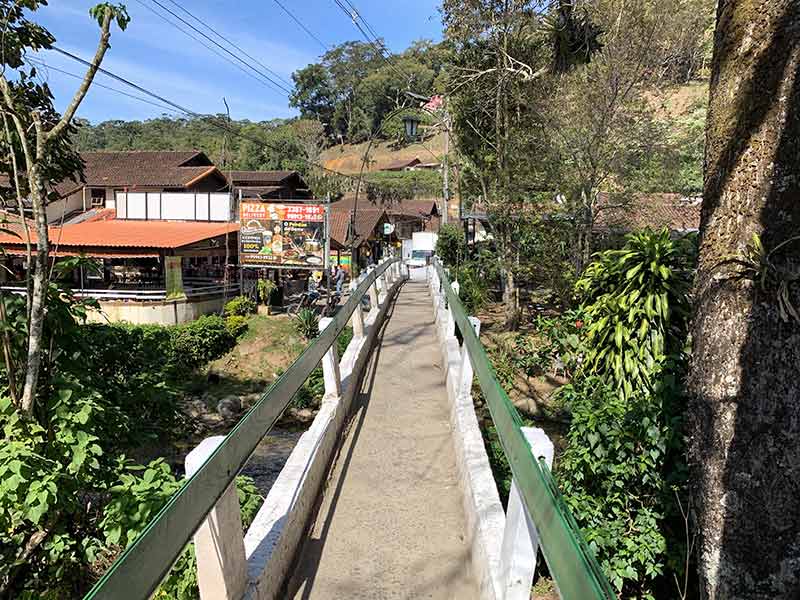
<point>391,524</point>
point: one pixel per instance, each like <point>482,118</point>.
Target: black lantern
<point>411,124</point>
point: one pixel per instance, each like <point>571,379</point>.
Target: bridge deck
<point>391,523</point>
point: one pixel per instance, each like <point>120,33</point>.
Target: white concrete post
<point>373,294</point>
<point>465,386</point>
<point>357,320</point>
<point>456,288</point>
<point>219,542</point>
<point>330,365</point>
<point>450,331</point>
<point>382,287</point>
<point>520,538</point>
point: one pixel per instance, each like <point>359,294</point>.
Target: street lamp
<point>411,124</point>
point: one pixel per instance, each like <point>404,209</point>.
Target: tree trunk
<point>510,298</point>
<point>744,417</point>
<point>39,295</point>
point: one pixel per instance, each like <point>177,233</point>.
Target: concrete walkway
<point>391,523</point>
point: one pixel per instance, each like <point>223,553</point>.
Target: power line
<point>302,25</point>
<point>217,44</point>
<point>263,82</point>
<point>355,16</point>
<point>210,119</point>
<point>231,43</point>
<point>98,84</point>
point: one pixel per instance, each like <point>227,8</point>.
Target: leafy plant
<point>776,275</point>
<point>199,342</point>
<point>620,475</point>
<point>473,290</point>
<point>135,499</point>
<point>240,306</point>
<point>236,325</point>
<point>451,245</point>
<point>266,287</point>
<point>306,324</point>
<point>637,308</point>
<point>559,343</point>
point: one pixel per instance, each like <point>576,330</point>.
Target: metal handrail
<point>138,571</point>
<point>571,562</point>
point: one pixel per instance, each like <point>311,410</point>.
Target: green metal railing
<point>571,563</point>
<point>138,571</point>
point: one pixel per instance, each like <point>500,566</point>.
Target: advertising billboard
<point>282,235</point>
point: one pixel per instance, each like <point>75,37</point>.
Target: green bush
<point>266,287</point>
<point>451,246</point>
<point>637,305</point>
<point>306,324</point>
<point>49,473</point>
<point>241,306</point>
<point>624,472</point>
<point>198,342</point>
<point>141,368</point>
<point>560,339</point>
<point>473,288</point>
<point>236,325</point>
<point>621,476</point>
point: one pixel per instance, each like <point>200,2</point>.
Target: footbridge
<point>389,494</point>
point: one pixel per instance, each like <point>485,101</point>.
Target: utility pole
<point>446,168</point>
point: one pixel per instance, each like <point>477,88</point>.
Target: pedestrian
<point>338,278</point>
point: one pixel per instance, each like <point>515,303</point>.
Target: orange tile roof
<point>130,234</point>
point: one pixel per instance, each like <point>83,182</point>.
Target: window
<point>98,197</point>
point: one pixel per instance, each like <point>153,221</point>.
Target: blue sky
<point>156,55</point>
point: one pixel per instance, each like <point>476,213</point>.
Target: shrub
<point>637,307</point>
<point>306,324</point>
<point>620,475</point>
<point>49,472</point>
<point>451,245</point>
<point>473,290</point>
<point>266,287</point>
<point>240,306</point>
<point>198,342</point>
<point>236,325</point>
<point>136,499</point>
<point>624,471</point>
<point>561,340</point>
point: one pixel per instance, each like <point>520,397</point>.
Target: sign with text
<point>282,235</point>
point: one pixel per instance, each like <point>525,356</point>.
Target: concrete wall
<point>275,536</point>
<point>169,312</point>
<point>59,209</point>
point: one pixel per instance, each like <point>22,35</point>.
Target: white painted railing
<point>141,295</point>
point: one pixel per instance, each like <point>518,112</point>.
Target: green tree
<point>37,154</point>
<point>503,53</point>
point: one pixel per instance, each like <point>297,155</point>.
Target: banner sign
<point>174,276</point>
<point>282,235</point>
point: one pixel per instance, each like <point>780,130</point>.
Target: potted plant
<point>266,287</point>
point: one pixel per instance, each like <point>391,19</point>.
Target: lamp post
<point>409,123</point>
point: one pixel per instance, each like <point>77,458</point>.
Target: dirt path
<point>391,523</point>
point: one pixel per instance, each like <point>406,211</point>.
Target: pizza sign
<point>282,235</point>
